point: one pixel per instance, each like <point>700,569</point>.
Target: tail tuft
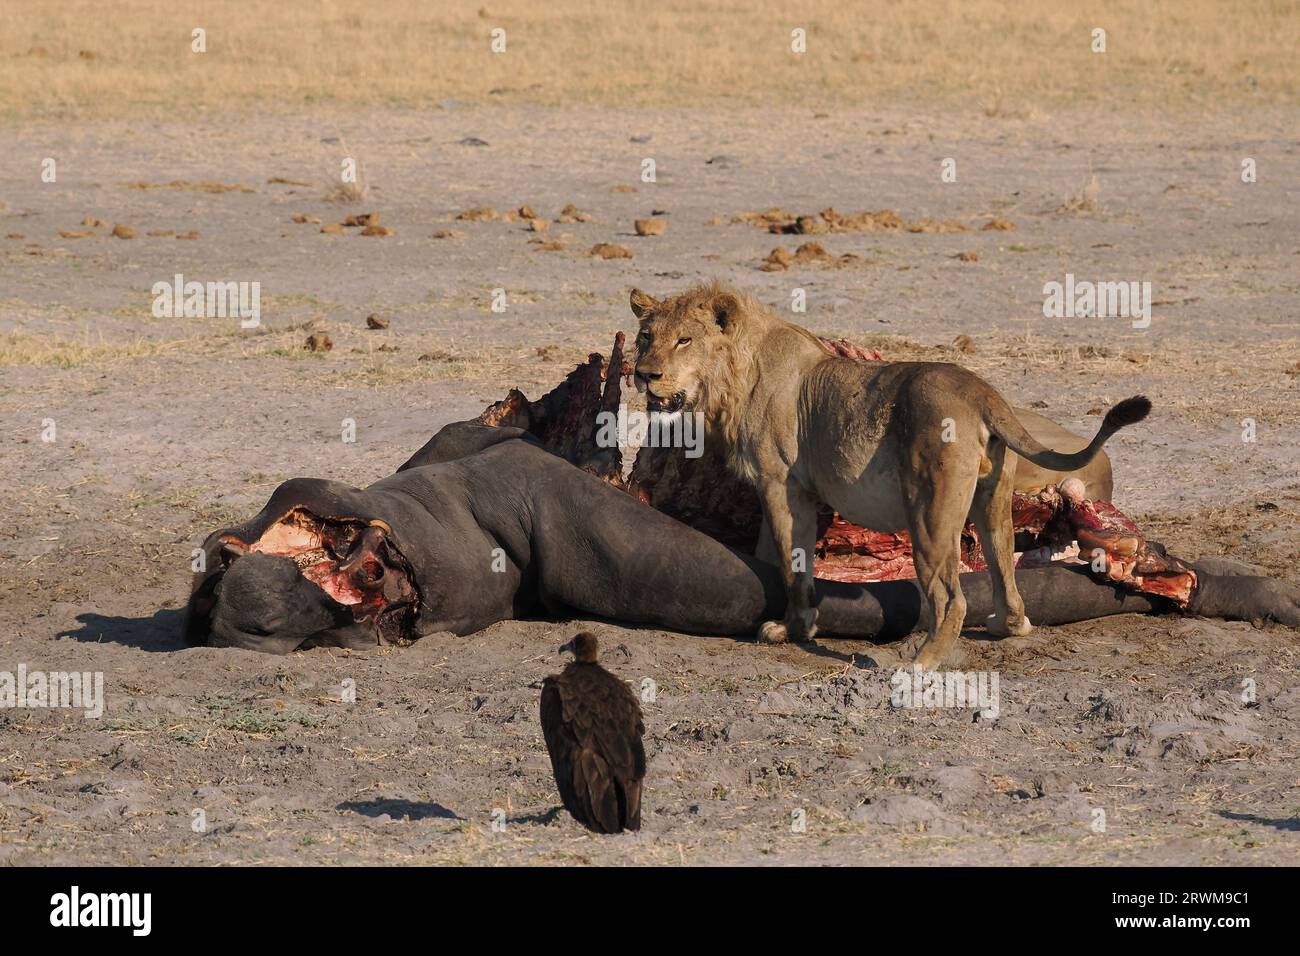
<point>1128,412</point>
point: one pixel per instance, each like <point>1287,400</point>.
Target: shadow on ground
<point>400,809</point>
<point>1277,823</point>
<point>161,631</point>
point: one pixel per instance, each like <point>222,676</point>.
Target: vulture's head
<point>584,646</point>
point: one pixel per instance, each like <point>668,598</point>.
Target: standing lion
<point>892,446</point>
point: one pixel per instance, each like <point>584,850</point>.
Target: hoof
<point>1011,628</point>
<point>773,632</point>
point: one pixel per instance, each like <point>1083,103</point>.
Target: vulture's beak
<point>565,647</point>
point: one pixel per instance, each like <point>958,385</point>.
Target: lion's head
<point>687,354</point>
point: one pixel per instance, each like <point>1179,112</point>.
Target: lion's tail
<point>1001,420</point>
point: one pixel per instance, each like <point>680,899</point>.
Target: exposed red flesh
<point>347,559</point>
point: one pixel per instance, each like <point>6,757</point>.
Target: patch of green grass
<point>269,722</point>
<point>726,685</point>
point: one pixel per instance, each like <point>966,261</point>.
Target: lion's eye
<point>683,342</point>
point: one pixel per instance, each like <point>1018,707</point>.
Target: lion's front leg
<point>791,515</point>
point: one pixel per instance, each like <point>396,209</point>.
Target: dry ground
<point>167,428</point>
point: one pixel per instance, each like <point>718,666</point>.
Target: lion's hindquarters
<point>930,464</point>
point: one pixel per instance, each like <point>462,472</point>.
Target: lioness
<point>890,446</point>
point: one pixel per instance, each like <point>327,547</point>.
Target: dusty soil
<point>167,428</point>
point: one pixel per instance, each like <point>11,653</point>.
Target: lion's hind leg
<point>991,511</point>
<point>936,526</point>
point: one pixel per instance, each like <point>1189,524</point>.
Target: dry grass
<point>18,349</point>
<point>24,349</point>
<point>1085,200</point>
<point>1004,57</point>
<point>360,360</point>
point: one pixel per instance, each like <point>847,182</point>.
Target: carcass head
<point>263,603</point>
<point>686,349</point>
<point>306,582</point>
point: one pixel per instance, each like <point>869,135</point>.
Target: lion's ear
<point>726,311</point>
<point>641,303</point>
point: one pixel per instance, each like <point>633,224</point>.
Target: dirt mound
<point>829,220</point>
<point>810,254</point>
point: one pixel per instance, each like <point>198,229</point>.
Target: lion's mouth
<point>672,404</point>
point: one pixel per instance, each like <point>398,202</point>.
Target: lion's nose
<point>649,376</point>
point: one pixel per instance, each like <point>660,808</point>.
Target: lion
<point>892,446</point>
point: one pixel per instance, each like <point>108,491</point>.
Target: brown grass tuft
<point>1085,200</point>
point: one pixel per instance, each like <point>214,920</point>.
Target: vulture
<point>592,724</point>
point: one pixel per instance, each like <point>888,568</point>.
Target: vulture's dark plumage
<point>592,724</point>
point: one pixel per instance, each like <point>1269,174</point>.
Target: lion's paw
<point>933,657</point>
<point>1009,628</point>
